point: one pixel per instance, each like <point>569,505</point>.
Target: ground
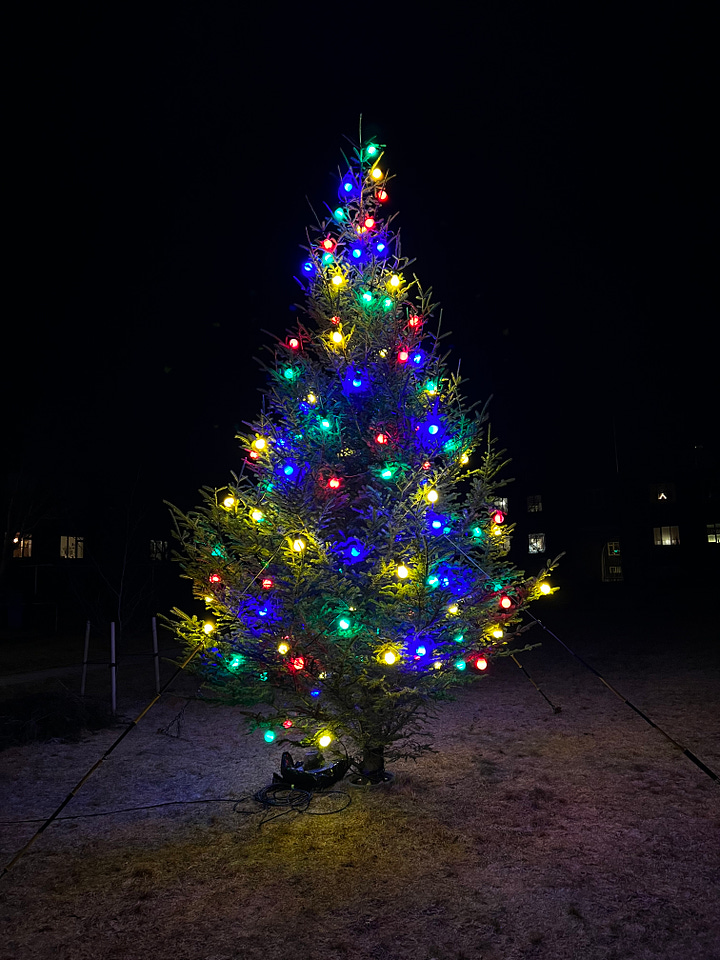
<point>529,834</point>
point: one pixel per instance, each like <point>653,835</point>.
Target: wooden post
<point>85,659</point>
<point>156,655</point>
<point>113,671</point>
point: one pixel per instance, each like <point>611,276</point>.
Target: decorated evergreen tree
<point>357,568</point>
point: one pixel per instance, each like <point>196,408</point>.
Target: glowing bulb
<point>505,602</point>
<point>377,173</point>
<point>386,474</point>
<point>297,663</point>
<point>325,424</point>
<point>215,578</point>
<point>311,398</point>
<point>369,223</point>
<point>382,353</point>
<point>389,657</point>
<point>339,214</point>
<point>357,382</point>
<point>382,195</point>
<point>229,502</point>
<point>287,724</point>
<point>464,459</point>
<point>380,247</point>
<point>381,438</point>
<point>481,663</point>
<point>497,516</point>
<point>259,444</point>
<point>328,244</point>
<point>338,280</point>
<point>337,337</point>
<point>314,693</point>
<point>294,343</point>
<point>324,740</point>
<point>453,608</point>
<point>344,623</point>
<point>257,515</point>
<point>497,633</point>
<point>267,583</point>
<point>420,651</point>
<point>288,470</point>
<point>403,356</point>
<point>403,572</point>
<point>357,253</point>
<point>414,321</point>
<point>432,581</point>
<point>269,736</point>
<point>367,296</point>
<point>298,545</point>
<point>208,627</point>
<point>433,496</point>
<point>433,429</point>
<point>437,665</point>
<point>283,648</point>
<point>460,664</point>
<point>334,483</point>
<point>431,387</point>
<point>545,588</point>
<point>394,280</point>
<point>289,373</point>
<point>371,150</point>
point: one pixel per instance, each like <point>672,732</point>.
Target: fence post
<point>113,670</point>
<point>156,655</point>
<point>85,659</point>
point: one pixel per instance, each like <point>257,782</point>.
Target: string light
<point>260,443</point>
<point>545,588</point>
<point>325,739</point>
<point>283,648</point>
<point>505,602</point>
<point>403,572</point>
<point>298,545</point>
<point>267,583</point>
<point>297,663</point>
<point>269,736</point>
<point>334,483</point>
<point>382,195</point>
<point>433,496</point>
<point>337,337</point>
<point>390,657</point>
<point>215,578</point>
<point>497,633</point>
<point>294,343</point>
<point>257,515</point>
<point>481,663</point>
<point>403,356</point>
<point>287,724</point>
<point>381,438</point>
<point>377,173</point>
<point>208,627</point>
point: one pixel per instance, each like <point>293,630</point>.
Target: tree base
<point>371,779</point>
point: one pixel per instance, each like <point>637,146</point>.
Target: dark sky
<point>556,181</point>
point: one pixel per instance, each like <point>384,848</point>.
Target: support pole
<point>113,671</point>
<point>156,655</point>
<point>85,659</point>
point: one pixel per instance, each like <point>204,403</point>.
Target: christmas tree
<point>356,571</point>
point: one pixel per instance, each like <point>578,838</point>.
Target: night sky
<point>556,182</point>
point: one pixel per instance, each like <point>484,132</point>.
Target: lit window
<point>663,492</point>
<point>22,545</point>
<point>666,536</point>
<point>534,505</point>
<point>613,548</point>
<point>72,548</point>
<point>713,533</point>
<point>158,550</point>
<point>536,543</point>
<point>501,503</point>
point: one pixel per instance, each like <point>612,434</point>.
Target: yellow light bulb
<point>394,280</point>
<point>311,398</point>
<point>259,444</point>
<point>437,665</point>
<point>229,502</point>
<point>545,588</point>
<point>208,599</point>
<point>464,459</point>
<point>453,608</point>
<point>208,627</point>
<point>389,657</point>
<point>402,571</point>
<point>337,337</point>
<point>338,280</point>
<point>298,545</point>
<point>377,173</point>
<point>433,496</point>
<point>382,353</point>
<point>257,515</point>
<point>495,530</point>
<point>283,648</point>
<point>324,740</point>
<point>497,633</point>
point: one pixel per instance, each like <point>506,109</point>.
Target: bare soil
<point>529,834</point>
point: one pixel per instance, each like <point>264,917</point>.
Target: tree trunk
<point>373,763</point>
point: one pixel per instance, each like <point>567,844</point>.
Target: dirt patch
<point>529,834</point>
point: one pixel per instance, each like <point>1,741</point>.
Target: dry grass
<point>529,835</point>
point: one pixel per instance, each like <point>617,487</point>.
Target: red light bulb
<point>334,319</point>
<point>414,321</point>
<point>403,356</point>
<point>215,578</point>
<point>369,223</point>
<point>497,516</point>
<point>505,602</point>
<point>382,195</point>
<point>267,583</point>
<point>334,483</point>
<point>297,663</point>
<point>381,438</point>
<point>328,244</point>
<point>287,724</point>
<point>481,663</point>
